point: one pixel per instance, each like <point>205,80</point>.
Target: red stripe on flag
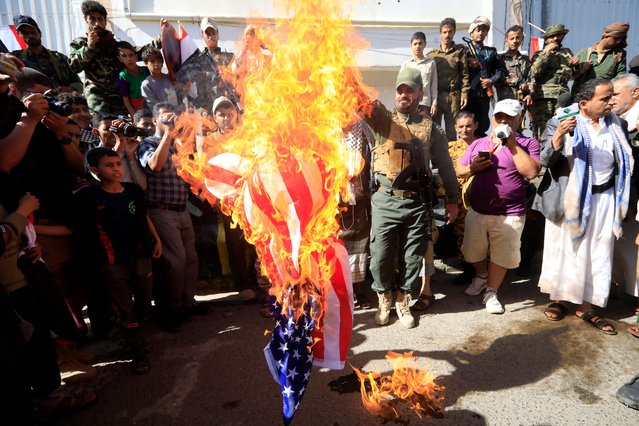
<point>298,190</point>
<point>261,200</point>
<point>219,174</point>
<point>21,42</point>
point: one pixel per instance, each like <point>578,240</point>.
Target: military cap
<point>555,29</point>
<point>22,20</point>
<point>410,77</point>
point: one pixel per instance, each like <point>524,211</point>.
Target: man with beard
<point>97,55</point>
<point>53,64</point>
<point>400,214</point>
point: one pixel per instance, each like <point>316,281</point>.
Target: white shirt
<point>428,70</point>
<point>603,156</point>
<point>632,116</point>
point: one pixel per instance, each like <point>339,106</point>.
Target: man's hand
<point>452,209</point>
<point>486,83</point>
<point>9,67</point>
<point>92,38</point>
<point>479,164</point>
<point>528,100</point>
<point>36,105</point>
<point>551,46</point>
<point>34,253</point>
<point>433,110</point>
<point>57,124</point>
<point>157,249</point>
<point>574,61</point>
<point>464,102</point>
<point>27,205</point>
<point>563,128</point>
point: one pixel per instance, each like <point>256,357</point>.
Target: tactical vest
<point>389,161</point>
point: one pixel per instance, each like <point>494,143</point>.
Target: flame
<point>299,90</point>
<point>406,383</point>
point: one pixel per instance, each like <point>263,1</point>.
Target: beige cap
<point>208,22</point>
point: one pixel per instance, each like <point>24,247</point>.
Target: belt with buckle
<point>399,193</point>
<point>165,206</point>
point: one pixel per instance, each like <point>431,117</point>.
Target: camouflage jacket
<point>517,70</point>
<point>611,64</point>
<point>201,78</point>
<point>53,64</point>
<point>101,69</point>
<point>452,69</point>
<point>550,73</point>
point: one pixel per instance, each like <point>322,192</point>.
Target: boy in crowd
<point>428,69</point>
<point>130,78</point>
<point>117,227</point>
<point>157,87</point>
<point>81,115</point>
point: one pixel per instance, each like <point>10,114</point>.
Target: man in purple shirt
<point>499,163</point>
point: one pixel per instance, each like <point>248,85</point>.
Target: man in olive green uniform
<point>517,67</point>
<point>53,64</point>
<point>452,77</point>
<point>97,55</point>
<point>400,218</point>
<point>606,58</point>
<point>550,72</point>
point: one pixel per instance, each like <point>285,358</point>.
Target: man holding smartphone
<point>500,163</point>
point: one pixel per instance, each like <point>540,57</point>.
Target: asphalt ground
<point>512,369</point>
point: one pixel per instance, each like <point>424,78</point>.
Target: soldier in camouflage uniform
<point>97,55</point>
<point>200,76</point>
<point>399,216</point>
<point>550,72</point>
<point>517,67</point>
<point>452,77</point>
<point>53,64</point>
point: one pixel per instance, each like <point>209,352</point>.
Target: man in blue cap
<point>401,207</point>
<point>53,64</point>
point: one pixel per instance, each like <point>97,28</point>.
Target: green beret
<point>555,29</point>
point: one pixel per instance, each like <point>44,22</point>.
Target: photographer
<point>166,198</point>
<point>499,165</point>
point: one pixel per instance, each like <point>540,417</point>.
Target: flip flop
<point>424,302</point>
<point>634,330</point>
<point>598,323</point>
<point>556,308</point>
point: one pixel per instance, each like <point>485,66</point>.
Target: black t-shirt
<point>43,171</point>
<point>114,224</point>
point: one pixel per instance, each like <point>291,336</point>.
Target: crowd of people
<point>95,217</point>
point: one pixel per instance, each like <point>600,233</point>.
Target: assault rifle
<point>482,63</point>
<point>417,168</point>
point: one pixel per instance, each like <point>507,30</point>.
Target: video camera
<point>130,130</point>
<point>58,106</point>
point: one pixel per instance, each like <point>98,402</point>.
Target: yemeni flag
<point>10,38</point>
<point>535,45</point>
<point>177,47</point>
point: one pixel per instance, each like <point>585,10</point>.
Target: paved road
<point>513,369</point>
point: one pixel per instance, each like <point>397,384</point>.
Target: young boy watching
<point>426,66</point>
<point>130,78</point>
<point>81,115</point>
<point>157,87</point>
<point>116,226</point>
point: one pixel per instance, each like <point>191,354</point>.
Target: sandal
<point>597,322</point>
<point>634,330</point>
<point>557,309</point>
<point>424,301</point>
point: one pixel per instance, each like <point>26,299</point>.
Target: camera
<point>58,106</point>
<point>130,130</point>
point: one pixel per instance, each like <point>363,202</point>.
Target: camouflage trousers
<point>448,106</point>
<point>541,111</point>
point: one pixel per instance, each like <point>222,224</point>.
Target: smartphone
<point>484,154</point>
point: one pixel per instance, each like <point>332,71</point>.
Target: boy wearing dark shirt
<point>119,231</point>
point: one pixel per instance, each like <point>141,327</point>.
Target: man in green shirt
<point>452,77</point>
<point>605,59</point>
